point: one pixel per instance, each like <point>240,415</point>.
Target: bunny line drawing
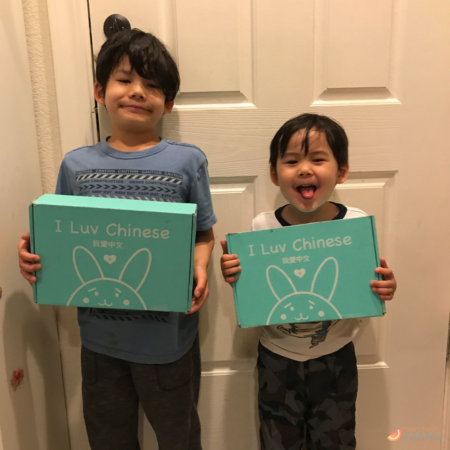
<point>299,306</point>
<point>96,288</point>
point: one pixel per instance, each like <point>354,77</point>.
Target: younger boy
<point>307,372</point>
<point>129,357</point>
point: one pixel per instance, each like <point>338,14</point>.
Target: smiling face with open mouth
<point>307,181</point>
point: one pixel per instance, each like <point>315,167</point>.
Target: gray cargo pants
<point>112,389</point>
<point>310,402</point>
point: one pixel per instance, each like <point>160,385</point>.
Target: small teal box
<point>113,253</point>
<point>307,273</point>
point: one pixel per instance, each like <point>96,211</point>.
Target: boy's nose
<point>137,94</point>
<point>137,91</point>
<point>304,170</point>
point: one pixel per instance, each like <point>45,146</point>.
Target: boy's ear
<point>343,173</point>
<point>168,107</point>
<point>99,93</point>
<point>274,176</point>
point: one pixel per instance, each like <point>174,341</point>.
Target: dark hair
<point>335,134</point>
<point>148,57</point>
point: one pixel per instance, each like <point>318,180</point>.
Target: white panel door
<point>377,67</point>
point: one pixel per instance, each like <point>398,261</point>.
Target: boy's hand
<point>229,264</point>
<point>28,262</point>
<point>204,243</point>
<point>201,290</point>
<point>385,288</point>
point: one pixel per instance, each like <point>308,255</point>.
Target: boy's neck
<point>293,216</point>
<point>133,142</point>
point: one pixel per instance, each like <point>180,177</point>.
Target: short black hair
<point>335,134</point>
<point>148,57</point>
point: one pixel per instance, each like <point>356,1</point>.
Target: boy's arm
<point>204,244</point>
<point>386,287</point>
<point>229,264</point>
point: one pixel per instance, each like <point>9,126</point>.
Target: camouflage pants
<point>310,402</point>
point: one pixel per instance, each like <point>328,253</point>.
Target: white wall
<point>33,416</point>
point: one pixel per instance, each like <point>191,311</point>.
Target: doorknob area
<point>115,23</point>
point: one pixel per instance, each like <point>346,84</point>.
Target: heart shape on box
<point>109,258</point>
<point>299,272</point>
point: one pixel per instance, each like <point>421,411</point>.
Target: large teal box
<point>307,273</point>
<point>113,253</point>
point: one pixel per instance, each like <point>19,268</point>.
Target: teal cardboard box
<point>307,273</point>
<point>113,253</point>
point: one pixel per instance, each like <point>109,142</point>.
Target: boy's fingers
<point>382,291</point>
<point>229,272</point>
<point>29,268</point>
<point>26,237</point>
<point>201,286</point>
<point>197,303</point>
<point>231,279</point>
<point>28,258</point>
<point>228,264</point>
<point>192,308</point>
<point>30,278</point>
<point>385,272</point>
<point>23,244</point>
<point>382,283</point>
<point>26,255</point>
<point>228,257</point>
<point>223,243</point>
<point>383,263</point>
<point>201,282</point>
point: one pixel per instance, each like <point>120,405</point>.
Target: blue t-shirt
<point>168,172</point>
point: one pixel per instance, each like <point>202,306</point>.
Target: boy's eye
<point>123,80</point>
<point>291,161</point>
<point>319,160</point>
<point>152,86</point>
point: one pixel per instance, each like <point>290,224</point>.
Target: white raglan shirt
<point>303,341</point>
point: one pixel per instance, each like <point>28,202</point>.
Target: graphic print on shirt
<point>302,306</point>
<point>97,290</point>
<point>317,331</point>
<point>148,185</point>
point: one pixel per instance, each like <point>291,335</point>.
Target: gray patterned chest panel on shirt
<point>130,316</point>
<point>148,185</point>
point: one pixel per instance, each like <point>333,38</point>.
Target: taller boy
<point>132,356</point>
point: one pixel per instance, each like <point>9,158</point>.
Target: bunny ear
<point>279,279</point>
<point>83,259</point>
<point>136,275</point>
<point>326,278</point>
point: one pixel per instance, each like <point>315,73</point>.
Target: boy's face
<point>307,182</point>
<point>134,104</point>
